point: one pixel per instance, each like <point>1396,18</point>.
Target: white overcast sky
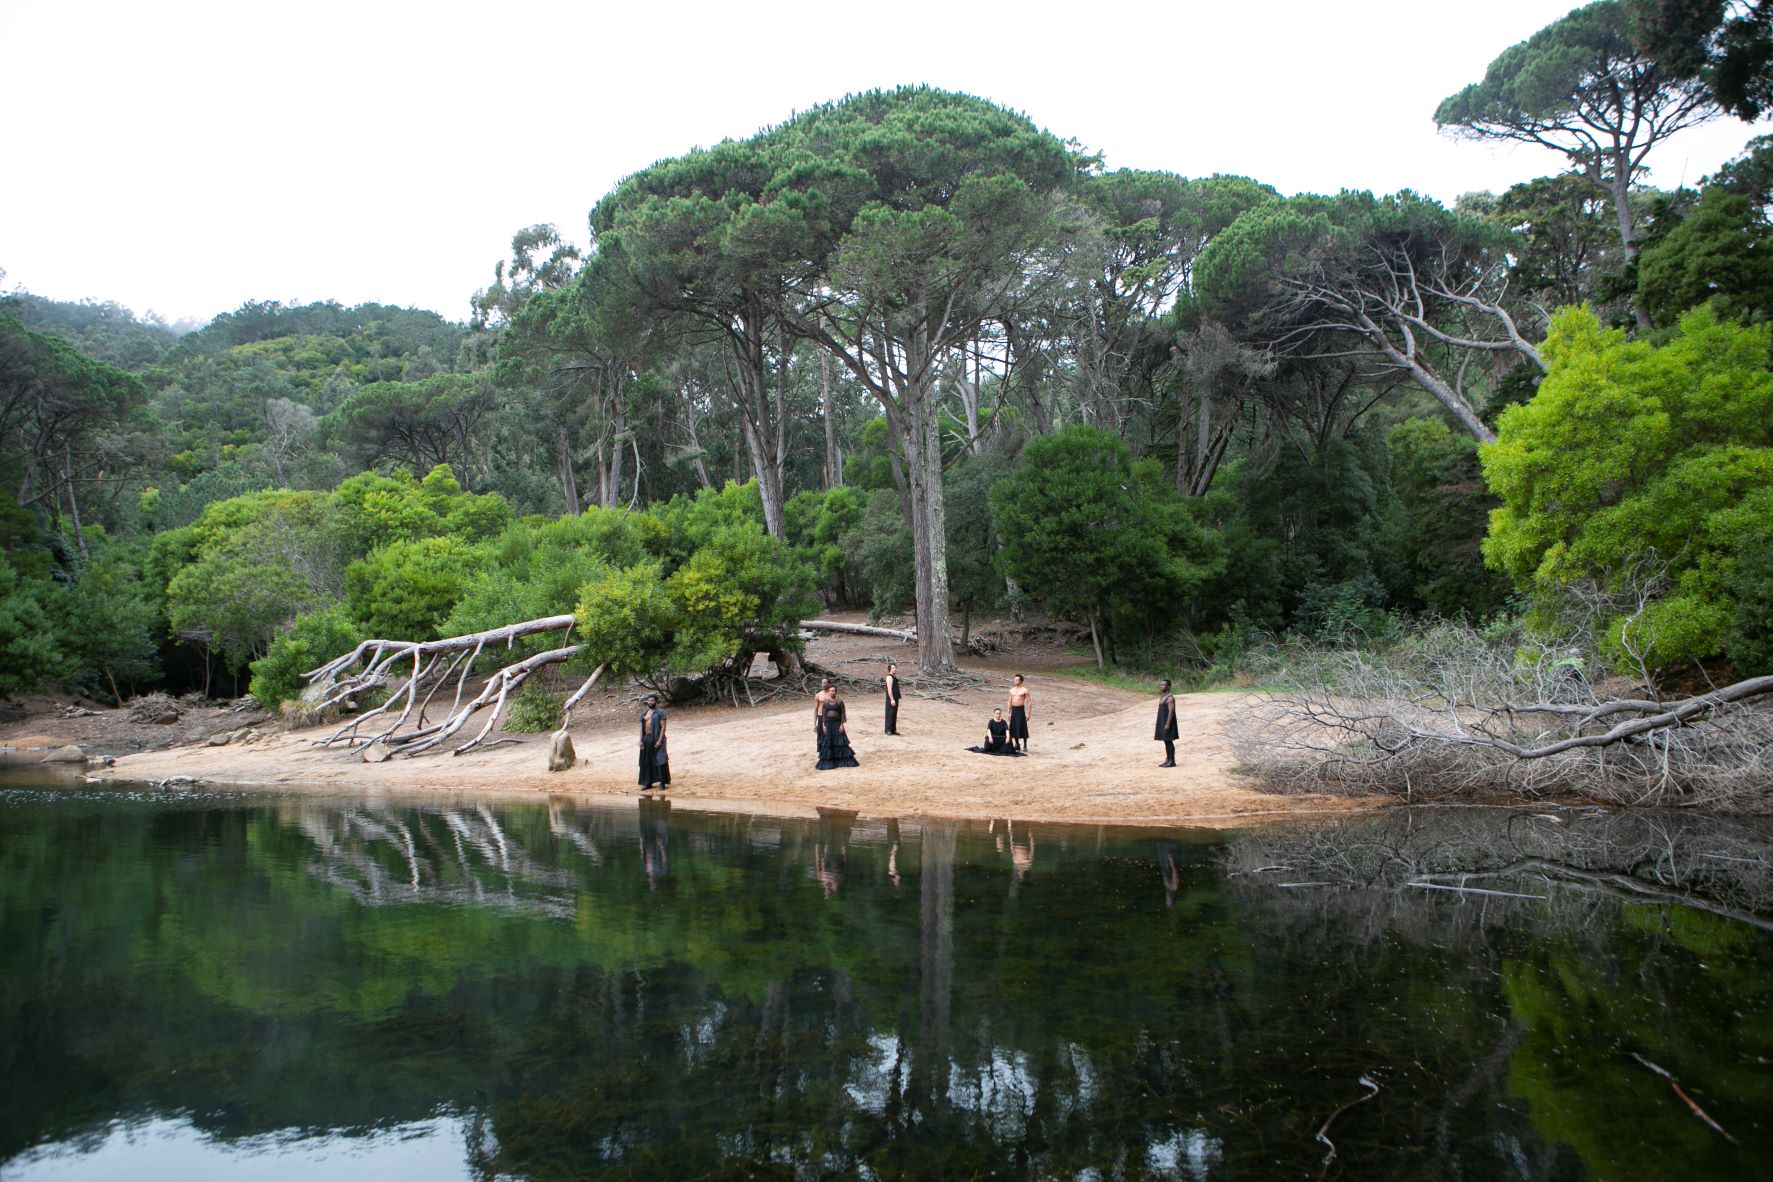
<point>185,157</point>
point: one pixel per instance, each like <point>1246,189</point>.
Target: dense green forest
<point>910,352</point>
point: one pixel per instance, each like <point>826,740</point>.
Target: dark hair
<point>1166,685</point>
<point>891,665</point>
<point>1019,677</point>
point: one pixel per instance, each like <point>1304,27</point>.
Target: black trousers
<point>892,717</point>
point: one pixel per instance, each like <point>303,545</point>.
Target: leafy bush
<point>309,642</point>
<point>29,654</point>
<point>624,617</point>
<point>405,590</point>
<point>1633,454</point>
<point>535,708</point>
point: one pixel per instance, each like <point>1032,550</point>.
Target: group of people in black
<point>1003,736</point>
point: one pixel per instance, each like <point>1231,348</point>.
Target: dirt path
<point>1092,756</point>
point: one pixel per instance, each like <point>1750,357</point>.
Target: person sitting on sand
<point>997,736</point>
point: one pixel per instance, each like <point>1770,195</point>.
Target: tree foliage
<point>1645,470</point>
<point>1095,534</point>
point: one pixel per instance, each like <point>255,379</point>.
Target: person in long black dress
<point>655,761</point>
<point>834,739</point>
<point>894,693</point>
<point>997,736</point>
<point>1166,724</point>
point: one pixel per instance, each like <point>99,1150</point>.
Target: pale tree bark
<point>828,405</point>
<point>701,457</point>
<point>900,370</point>
<point>615,398</point>
<point>569,483</point>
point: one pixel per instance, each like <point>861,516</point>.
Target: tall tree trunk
<point>764,433</point>
<point>569,485</point>
<point>689,411</point>
<point>923,462</point>
<point>827,401</point>
<point>73,504</point>
<point>1096,643</point>
<point>618,418</point>
<point>1619,189</point>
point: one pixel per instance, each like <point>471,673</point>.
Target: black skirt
<point>834,750</point>
<point>1018,722</point>
<point>655,765</point>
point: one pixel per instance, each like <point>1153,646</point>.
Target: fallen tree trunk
<point>328,687</point>
<point>909,637</point>
<point>421,669</point>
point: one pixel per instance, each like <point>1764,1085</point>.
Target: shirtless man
<point>1020,709</point>
<point>819,700</point>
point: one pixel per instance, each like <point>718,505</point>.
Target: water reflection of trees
<point>618,992</point>
<point>1719,865</point>
<point>1609,941</point>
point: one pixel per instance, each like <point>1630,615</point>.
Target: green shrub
<point>405,590</point>
<point>535,708</point>
<point>311,641</point>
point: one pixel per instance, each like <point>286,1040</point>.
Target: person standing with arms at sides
<point>834,739</point>
<point>1020,708</point>
<point>819,703</point>
<point>894,692</point>
<point>1166,723</point>
<point>655,761</point>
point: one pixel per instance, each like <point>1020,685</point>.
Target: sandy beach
<point>1092,757</point>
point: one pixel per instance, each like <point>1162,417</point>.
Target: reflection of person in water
<point>655,762</point>
<point>893,850</point>
<point>1021,856</point>
<point>655,833</point>
<point>997,736</point>
<point>831,852</point>
<point>1169,868</point>
<point>834,739</point>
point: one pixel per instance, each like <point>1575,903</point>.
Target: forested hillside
<point>910,352</point>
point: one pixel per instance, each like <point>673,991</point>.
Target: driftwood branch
<point>433,662</point>
<point>908,636</point>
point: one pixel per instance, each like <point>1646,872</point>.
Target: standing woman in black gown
<point>1166,723</point>
<point>655,762</point>
<point>834,740</point>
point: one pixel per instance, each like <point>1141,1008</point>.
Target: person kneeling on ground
<point>997,736</point>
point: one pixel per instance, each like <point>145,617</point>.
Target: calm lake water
<point>266,987</point>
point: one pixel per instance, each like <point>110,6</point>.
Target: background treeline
<point>910,352</point>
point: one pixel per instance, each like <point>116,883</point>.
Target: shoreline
<point>1092,761</point>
